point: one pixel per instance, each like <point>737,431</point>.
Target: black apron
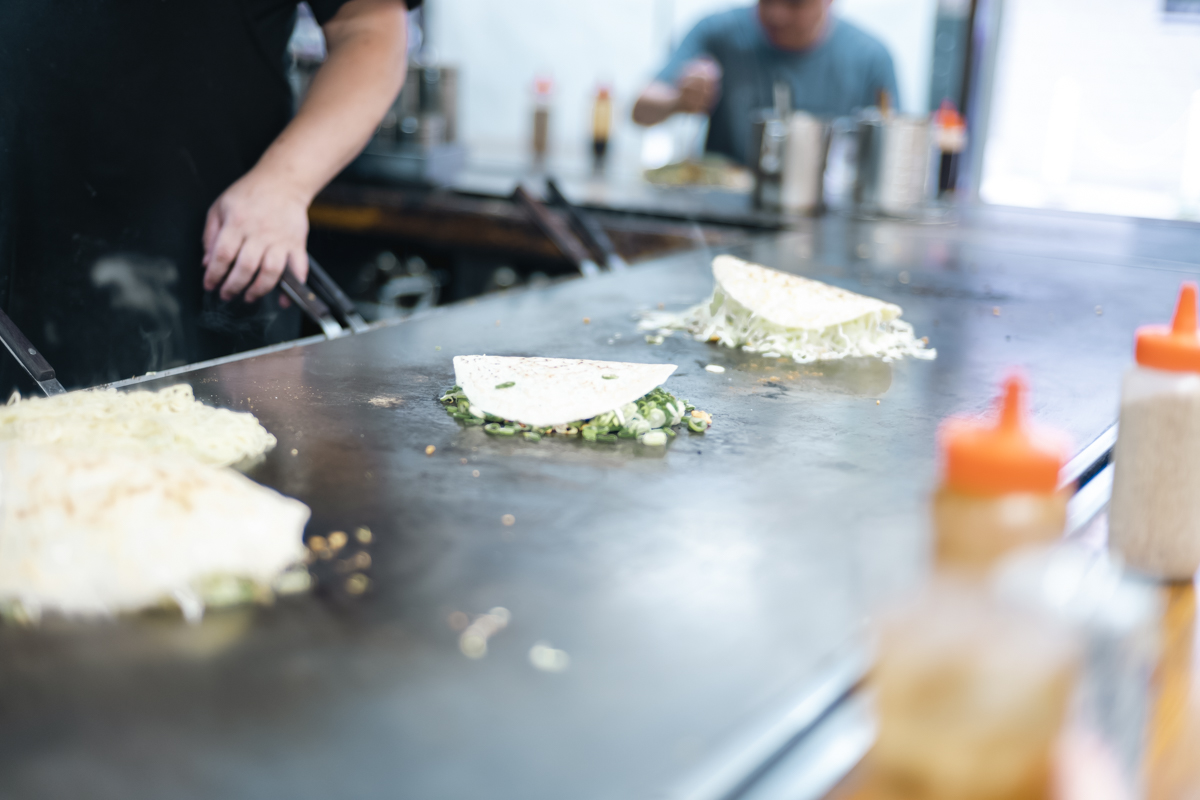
<point>121,121</point>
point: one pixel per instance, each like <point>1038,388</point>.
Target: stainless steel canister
<point>893,165</point>
<point>789,165</point>
<point>803,177</point>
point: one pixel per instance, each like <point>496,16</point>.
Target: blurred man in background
<point>728,65</point>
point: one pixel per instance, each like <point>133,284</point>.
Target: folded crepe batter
<point>764,310</point>
<point>89,532</point>
<point>168,421</point>
<point>553,391</point>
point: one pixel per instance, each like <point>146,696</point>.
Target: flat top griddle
<point>698,590</point>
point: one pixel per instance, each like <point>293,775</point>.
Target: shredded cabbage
<point>725,320</point>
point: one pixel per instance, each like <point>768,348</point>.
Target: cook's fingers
<point>212,226</point>
<point>224,251</point>
<point>298,264</point>
<point>248,260</point>
<point>273,262</point>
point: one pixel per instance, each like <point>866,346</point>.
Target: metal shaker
<point>789,170</point>
<point>893,165</point>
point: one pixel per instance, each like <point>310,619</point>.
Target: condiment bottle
<point>950,134</point>
<point>543,90</point>
<point>601,125</point>
<point>972,695</point>
<point>1154,518</point>
<point>1000,487</point>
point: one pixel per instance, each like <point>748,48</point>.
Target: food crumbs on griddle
<point>430,450</point>
<point>338,539</point>
<point>361,560</point>
<point>876,402</point>
<point>1099,311</point>
<point>462,461</point>
<point>357,583</point>
<point>508,520</point>
<point>661,306</point>
<point>474,473</point>
<point>363,534</point>
<point>587,320</point>
<point>995,311</point>
<point>295,452</point>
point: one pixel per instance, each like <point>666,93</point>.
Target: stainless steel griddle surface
<point>693,588</point>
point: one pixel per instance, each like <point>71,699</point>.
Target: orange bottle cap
<point>947,116</point>
<point>1177,348</point>
<point>1004,457</point>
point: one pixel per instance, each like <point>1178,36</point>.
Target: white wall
<point>1096,107</point>
<point>500,47</point>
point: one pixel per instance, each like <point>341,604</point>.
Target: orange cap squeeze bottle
<point>1006,457</point>
<point>1177,348</point>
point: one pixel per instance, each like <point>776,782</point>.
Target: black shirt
<point>121,121</point>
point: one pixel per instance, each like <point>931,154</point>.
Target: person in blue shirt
<point>728,65</point>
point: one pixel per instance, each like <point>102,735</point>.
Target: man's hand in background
<point>699,86</point>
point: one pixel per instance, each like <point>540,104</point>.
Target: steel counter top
<point>696,589</point>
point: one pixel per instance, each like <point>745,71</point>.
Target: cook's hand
<point>255,230</point>
<point>699,86</point>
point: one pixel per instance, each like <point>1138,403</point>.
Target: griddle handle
<point>556,231</point>
<point>23,350</point>
<point>587,227</point>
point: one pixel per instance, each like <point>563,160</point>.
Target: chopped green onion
<point>507,385</point>
<point>609,377</point>
<point>654,439</point>
<point>650,419</point>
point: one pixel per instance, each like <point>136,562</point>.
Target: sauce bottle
<point>950,135</point>
<point>543,90</point>
<point>972,696</point>
<point>1000,487</point>
<point>601,125</point>
<point>1154,518</point>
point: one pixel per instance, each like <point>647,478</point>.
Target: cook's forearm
<point>366,66</point>
<point>657,103</point>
